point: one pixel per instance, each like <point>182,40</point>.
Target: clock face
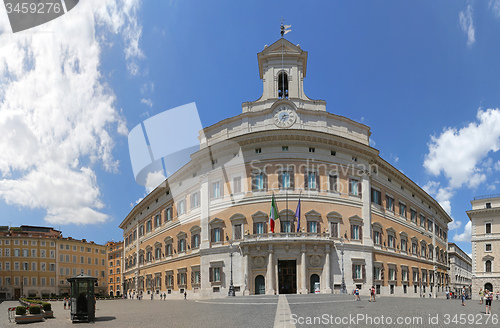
<point>284,116</point>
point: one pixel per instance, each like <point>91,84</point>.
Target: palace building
<point>485,219</point>
<point>207,229</point>
<point>114,256</point>
<point>36,261</point>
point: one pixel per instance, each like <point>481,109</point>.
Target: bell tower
<point>282,69</point>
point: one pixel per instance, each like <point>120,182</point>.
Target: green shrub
<point>20,310</point>
<point>47,306</point>
<point>35,309</point>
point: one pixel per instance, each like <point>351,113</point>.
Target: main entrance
<point>287,276</point>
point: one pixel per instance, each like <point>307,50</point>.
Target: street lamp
<point>342,286</point>
<point>231,286</point>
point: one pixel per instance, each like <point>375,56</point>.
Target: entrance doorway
<point>312,280</point>
<point>287,276</point>
<point>17,293</point>
<point>488,286</point>
<point>260,285</point>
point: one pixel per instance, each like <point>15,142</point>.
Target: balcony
<point>287,236</point>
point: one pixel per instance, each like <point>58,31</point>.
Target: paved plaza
<point>278,311</point>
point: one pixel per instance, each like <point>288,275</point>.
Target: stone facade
<point>460,269</point>
<point>360,219</point>
<point>485,218</point>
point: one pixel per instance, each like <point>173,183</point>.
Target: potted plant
<point>35,314</point>
<point>47,310</point>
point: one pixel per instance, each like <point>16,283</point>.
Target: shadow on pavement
<point>104,318</point>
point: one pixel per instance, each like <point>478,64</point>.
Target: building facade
<point>35,261</point>
<point>460,269</point>
<point>485,237</point>
<point>114,254</point>
<point>361,223</point>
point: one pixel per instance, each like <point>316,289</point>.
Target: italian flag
<point>273,215</point>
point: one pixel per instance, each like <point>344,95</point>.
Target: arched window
<point>282,85</point>
<point>488,266</point>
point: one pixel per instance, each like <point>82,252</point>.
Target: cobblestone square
<point>279,311</point>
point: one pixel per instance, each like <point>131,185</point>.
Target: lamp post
<point>342,286</point>
<point>231,286</point>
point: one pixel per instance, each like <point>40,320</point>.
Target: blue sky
<point>424,75</point>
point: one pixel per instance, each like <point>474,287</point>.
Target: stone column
<point>246,271</point>
<point>366,210</point>
<point>270,271</point>
<point>326,269</point>
<point>204,212</point>
<point>303,270</point>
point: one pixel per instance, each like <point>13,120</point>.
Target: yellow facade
<point>114,255</point>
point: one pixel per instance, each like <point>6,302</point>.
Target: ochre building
<point>362,222</point>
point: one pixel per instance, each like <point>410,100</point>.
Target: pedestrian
<point>357,294</point>
<point>488,296</point>
<point>372,294</point>
<point>185,294</point>
<point>498,294</point>
<point>65,303</point>
<point>164,296</point>
<point>481,295</point>
<point>463,297</point>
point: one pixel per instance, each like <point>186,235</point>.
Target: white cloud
<point>57,115</point>
<point>458,153</point>
<point>154,179</point>
<point>147,102</point>
<point>467,25</point>
<point>443,197</point>
<point>466,235</point>
<point>495,7</point>
<point>372,142</point>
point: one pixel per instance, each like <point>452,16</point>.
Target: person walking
<point>488,296</point>
<point>185,294</point>
<point>357,294</point>
<point>481,295</point>
<point>463,297</point>
<point>372,294</point>
<point>65,301</point>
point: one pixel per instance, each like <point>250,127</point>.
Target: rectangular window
<point>258,181</point>
<point>355,232</point>
<point>52,267</point>
<point>312,226</point>
<point>216,274</point>
<point>333,182</point>
<point>33,266</point>
<point>181,207</point>
<point>429,225</point>
<point>43,281</point>
<point>376,197</point>
<point>16,266</point>
<point>376,274</point>
<point>390,241</point>
<point>258,150</point>
<point>488,248</point>
<point>237,231</point>
<point>195,241</point>
<point>413,215</point>
<point>357,272</point>
<point>389,203</point>
<point>403,245</point>
<point>392,275</point>
<point>402,210</point>
<point>285,179</point>
<point>195,200</point>
<point>286,226</point>
<point>216,235</point>
<point>414,248</point>
<point>236,185</point>
<point>17,252</point>
<point>312,149</point>
<point>488,227</point>
<point>33,253</point>
<point>284,148</point>
<point>311,180</point>
<point>216,192</point>
<point>376,237</point>
<point>157,220</point>
<point>67,258</point>
<point>149,226</point>
<point>7,252</point>
<point>405,275</point>
<point>168,213</point>
<point>422,220</point>
<point>259,228</point>
<point>335,229</point>
<point>354,187</point>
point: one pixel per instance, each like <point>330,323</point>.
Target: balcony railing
<point>287,235</point>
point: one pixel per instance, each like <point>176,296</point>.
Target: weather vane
<point>284,28</point>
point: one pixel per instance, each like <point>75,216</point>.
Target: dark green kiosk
<point>82,298</point>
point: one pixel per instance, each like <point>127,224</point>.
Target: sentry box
<point>82,298</point>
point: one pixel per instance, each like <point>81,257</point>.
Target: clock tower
<point>282,69</point>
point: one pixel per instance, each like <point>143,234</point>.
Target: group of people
<point>358,298</point>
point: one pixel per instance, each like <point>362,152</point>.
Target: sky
<point>423,75</point>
